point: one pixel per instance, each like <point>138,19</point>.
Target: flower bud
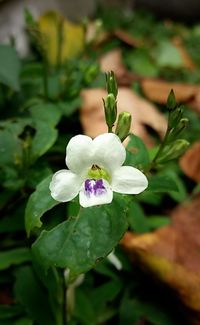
<point>174,132</point>
<point>123,125</point>
<point>111,84</point>
<point>174,151</point>
<point>175,116</point>
<point>181,125</point>
<point>171,101</point>
<point>110,109</point>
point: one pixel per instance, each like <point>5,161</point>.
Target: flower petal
<point>129,180</point>
<point>79,153</point>
<point>114,260</point>
<point>108,151</point>
<point>65,185</point>
<point>91,194</point>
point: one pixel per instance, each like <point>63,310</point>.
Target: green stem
<point>162,146</point>
<point>160,150</point>
<point>110,129</point>
<point>45,78</point>
<point>64,301</point>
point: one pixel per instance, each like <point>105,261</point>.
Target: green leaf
<point>10,67</point>
<point>141,63</point>
<point>106,270</point>
<point>20,321</point>
<point>127,315</point>
<point>14,221</point>
<point>39,202</point>
<point>69,107</point>
<point>158,222</point>
<point>10,148</point>
<point>32,296</point>
<point>84,310</point>
<point>14,256</point>
<point>23,321</point>
<point>79,243</point>
<point>167,55</point>
<point>52,281</point>
<point>161,183</point>
<point>137,153</point>
<point>91,306</point>
<point>106,292</point>
<point>153,198</point>
<point>7,311</point>
<point>46,112</point>
<point>133,310</point>
<point>43,140</point>
<point>153,313</point>
<point>181,194</point>
<point>137,219</point>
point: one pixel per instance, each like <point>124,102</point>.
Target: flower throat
<point>96,172</point>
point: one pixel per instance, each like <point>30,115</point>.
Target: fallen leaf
<point>157,90</point>
<point>187,61</point>
<point>143,113</point>
<point>127,38</point>
<point>171,254</point>
<point>154,89</point>
<point>95,33</point>
<point>112,61</point>
<point>190,162</point>
<point>194,103</point>
<point>59,34</point>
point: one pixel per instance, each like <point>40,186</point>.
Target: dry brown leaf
<point>127,38</point>
<point>190,162</point>
<point>171,254</point>
<point>143,113</point>
<point>158,90</point>
<point>195,103</point>
<point>187,61</point>
<point>112,61</point>
<point>95,33</point>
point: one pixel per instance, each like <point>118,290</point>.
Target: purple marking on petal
<point>94,187</point>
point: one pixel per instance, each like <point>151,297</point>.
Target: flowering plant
<point>66,264</point>
<point>95,171</point>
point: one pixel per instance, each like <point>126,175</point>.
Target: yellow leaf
<point>171,254</point>
<point>61,39</point>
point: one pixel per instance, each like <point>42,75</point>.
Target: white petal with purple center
<point>65,185</point>
<point>79,153</point>
<point>108,151</point>
<point>129,180</point>
<point>95,192</point>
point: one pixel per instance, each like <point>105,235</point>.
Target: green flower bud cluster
<point>172,146</point>
<point>173,151</point>
<point>110,109</point>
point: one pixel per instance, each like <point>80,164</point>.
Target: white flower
<point>95,171</point>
